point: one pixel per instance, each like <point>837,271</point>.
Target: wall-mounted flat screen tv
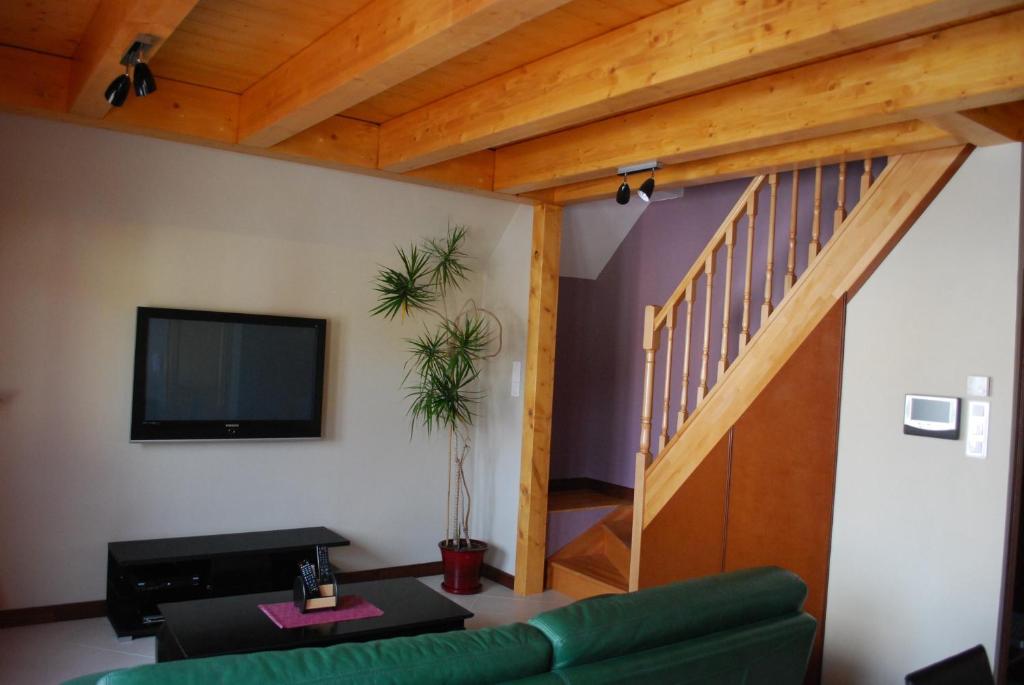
<point>213,375</point>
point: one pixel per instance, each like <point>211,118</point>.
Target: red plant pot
<point>462,567</point>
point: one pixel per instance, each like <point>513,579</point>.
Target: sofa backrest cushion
<point>470,657</point>
<point>610,626</point>
<point>773,652</point>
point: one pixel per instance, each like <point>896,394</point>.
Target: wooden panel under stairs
<point>585,576</point>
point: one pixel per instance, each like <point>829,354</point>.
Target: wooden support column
<point>538,390</point>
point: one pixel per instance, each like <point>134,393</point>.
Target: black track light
<point>622,196</point>
<point>117,91</point>
<point>646,191</point>
<point>144,82</point>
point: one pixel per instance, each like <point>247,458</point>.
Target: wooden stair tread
<point>595,566</point>
<point>581,499</point>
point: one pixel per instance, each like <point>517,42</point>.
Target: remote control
<point>323,564</point>
<point>309,579</point>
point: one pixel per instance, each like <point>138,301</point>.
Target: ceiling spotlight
<point>117,91</point>
<point>646,191</point>
<point>622,196</point>
<point>144,82</point>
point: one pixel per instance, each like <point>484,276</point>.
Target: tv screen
<point>213,375</point>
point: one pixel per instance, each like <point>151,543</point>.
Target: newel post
<point>650,344</point>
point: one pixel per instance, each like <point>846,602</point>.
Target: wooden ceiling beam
<point>881,141</point>
<point>964,67</point>
<point>37,84</point>
<point>680,51</point>
<point>113,28</point>
<point>993,125</point>
<point>381,45</point>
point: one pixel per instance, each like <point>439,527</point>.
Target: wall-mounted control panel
<point>932,416</point>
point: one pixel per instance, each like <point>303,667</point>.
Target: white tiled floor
<point>54,652</point>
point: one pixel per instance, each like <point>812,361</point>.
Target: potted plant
<point>441,375</point>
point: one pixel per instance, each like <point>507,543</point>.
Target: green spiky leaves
<point>406,289</point>
<point>445,364</point>
<point>449,267</point>
<point>427,273</point>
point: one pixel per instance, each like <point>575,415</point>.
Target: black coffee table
<point>235,625</point>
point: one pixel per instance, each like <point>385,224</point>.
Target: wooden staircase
<point>607,558</point>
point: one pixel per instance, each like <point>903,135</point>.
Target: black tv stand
<point>144,573</point>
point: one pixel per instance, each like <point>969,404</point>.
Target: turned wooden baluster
<point>840,215</point>
<point>815,245</point>
<point>709,277</point>
<point>730,244</point>
<point>766,307</point>
<point>684,393</point>
<point>670,324</point>
<point>865,178</point>
<point>751,222</point>
<point>650,349</point>
<point>791,259</point>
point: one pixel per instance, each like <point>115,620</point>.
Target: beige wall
<point>94,223</point>
<point>918,536</point>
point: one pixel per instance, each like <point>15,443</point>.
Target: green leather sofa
<point>744,627</point>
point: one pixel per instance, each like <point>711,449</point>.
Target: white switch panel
<point>517,378</point>
<point>977,429</point>
<point>977,386</point>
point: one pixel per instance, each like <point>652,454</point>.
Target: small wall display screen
<point>929,410</point>
<point>201,375</point>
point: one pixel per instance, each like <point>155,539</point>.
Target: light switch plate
<point>977,386</point>
<point>517,378</point>
<point>977,429</point>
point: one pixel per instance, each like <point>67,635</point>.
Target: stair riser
<point>577,585</point>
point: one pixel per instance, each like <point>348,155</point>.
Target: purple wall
<point>599,359</point>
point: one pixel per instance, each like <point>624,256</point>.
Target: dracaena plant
<point>443,369</point>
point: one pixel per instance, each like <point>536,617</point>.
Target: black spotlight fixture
<point>646,190</point>
<point>622,196</point>
<point>143,80</point>
<point>117,91</point>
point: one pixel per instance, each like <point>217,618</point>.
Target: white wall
<point>495,467</point>
<point>917,546</point>
<point>94,223</point>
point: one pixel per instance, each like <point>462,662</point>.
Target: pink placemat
<point>350,607</point>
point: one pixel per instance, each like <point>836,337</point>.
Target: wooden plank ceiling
<point>540,99</point>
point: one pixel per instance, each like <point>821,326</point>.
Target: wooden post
<point>684,393</point>
<point>730,244</point>
<point>639,489</point>
<point>840,214</point>
<point>538,389</point>
<point>766,307</point>
<point>751,224</point>
<point>865,179</point>
<point>670,324</point>
<point>650,343</point>
<point>794,206</point>
<point>815,245</point>
<point>705,359</point>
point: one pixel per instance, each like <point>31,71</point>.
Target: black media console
<point>144,573</point>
